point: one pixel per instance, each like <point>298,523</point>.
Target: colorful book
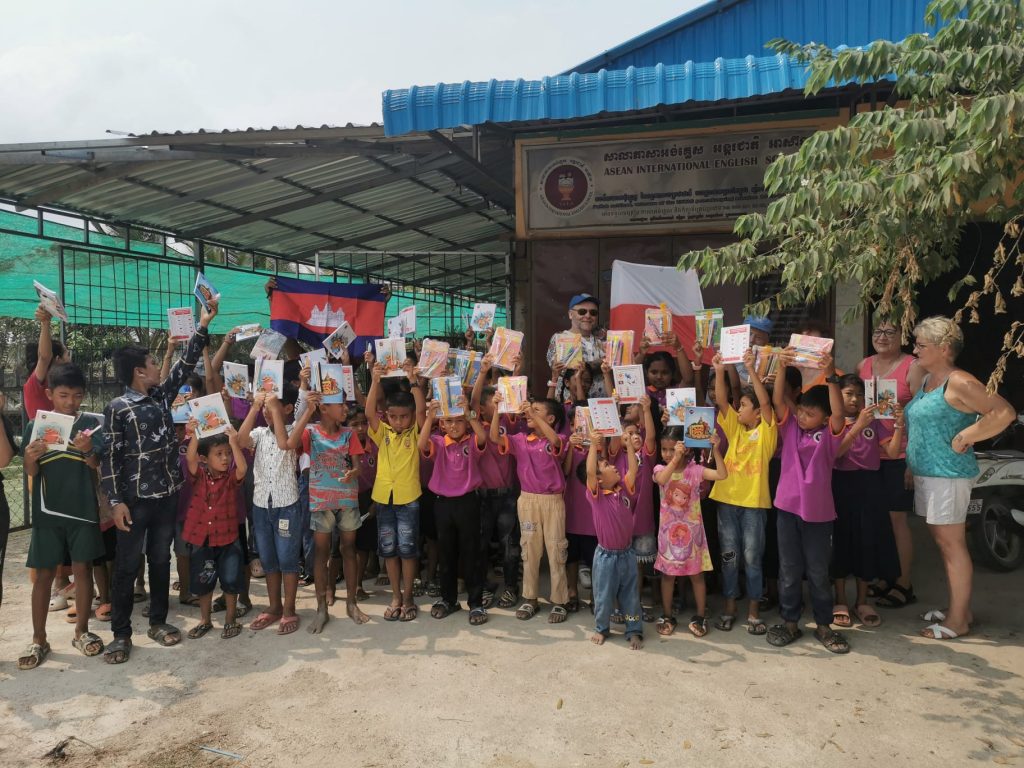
<point>447,391</point>
<point>248,331</point>
<point>180,412</point>
<point>268,376</point>
<point>348,382</point>
<point>766,361</point>
<point>514,393</point>
<point>181,324</point>
<point>236,380</point>
<point>581,423</point>
<point>657,324</point>
<point>505,347</point>
<point>809,350</point>
<point>408,319</point>
<point>395,328</point>
<point>569,349</point>
<point>391,354</point>
<point>51,301</point>
<point>309,359</point>
<point>698,427</point>
<point>483,316</point>
<point>268,345</point>
<point>465,364</point>
<point>629,383</point>
<point>708,327</point>
<point>886,398</point>
<point>604,415</point>
<point>618,347</point>
<point>870,397</point>
<point>433,358</point>
<point>677,401</point>
<point>339,340</point>
<point>210,414</point>
<point>330,380</point>
<point>205,291</point>
<point>735,343</point>
<point>52,428</point>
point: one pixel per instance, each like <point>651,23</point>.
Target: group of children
<point>316,482</point>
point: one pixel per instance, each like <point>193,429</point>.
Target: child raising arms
<point>682,544</point>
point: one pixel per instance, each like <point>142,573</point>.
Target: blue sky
<point>88,66</point>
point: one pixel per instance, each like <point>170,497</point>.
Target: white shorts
<point>942,500</point>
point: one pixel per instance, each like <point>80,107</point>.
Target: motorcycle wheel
<point>995,538</point>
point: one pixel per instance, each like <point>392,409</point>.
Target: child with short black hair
<point>216,470</point>
<point>612,500</point>
<point>65,515</point>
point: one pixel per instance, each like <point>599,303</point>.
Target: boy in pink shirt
<point>455,479</point>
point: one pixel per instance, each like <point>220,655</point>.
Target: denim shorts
<point>398,530</point>
<point>208,565</point>
<point>278,537</point>
<point>345,520</point>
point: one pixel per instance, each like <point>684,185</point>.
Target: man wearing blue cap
<point>583,313</point>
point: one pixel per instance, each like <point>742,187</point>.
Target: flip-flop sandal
<point>433,589</point>
<point>71,617</point>
<point>241,609</point>
<point>648,615</point>
<point>868,616</point>
<point>138,596</point>
<point>756,626</point>
<point>617,618</point>
<point>780,635</point>
<point>442,609</point>
<point>393,613</point>
<point>698,626</point>
<point>103,611</point>
<point>199,630</point>
<point>906,597</point>
<point>288,625</point>
<point>508,599</point>
<point>841,616</point>
<point>118,651</point>
<point>573,604</point>
<point>558,614</point>
<point>189,600</point>
<point>833,641</point>
<point>231,630</point>
<point>89,644</point>
<point>725,622</point>
<point>876,591</point>
<point>410,612</point>
<point>487,599</point>
<point>33,656</point>
<point>417,588</point>
<point>264,620</point>
<point>176,586</point>
<point>162,634</point>
<point>665,625</point>
<point>940,632</point>
<point>933,616</point>
<point>58,602</point>
<point>219,604</point>
<point>526,611</point>
<point>478,616</point>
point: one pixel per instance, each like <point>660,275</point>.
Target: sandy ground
<point>515,694</point>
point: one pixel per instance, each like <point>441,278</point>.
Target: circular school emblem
<point>566,186</point>
<point>465,450</point>
<point>548,448</point>
<point>869,433</point>
<point>816,437</point>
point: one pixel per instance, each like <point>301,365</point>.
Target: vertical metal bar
<point>510,284</point>
<point>60,267</point>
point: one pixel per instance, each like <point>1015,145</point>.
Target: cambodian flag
<point>310,311</point>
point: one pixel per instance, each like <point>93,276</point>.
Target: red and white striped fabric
<point>635,287</point>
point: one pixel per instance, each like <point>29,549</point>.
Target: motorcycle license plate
<point>974,508</point>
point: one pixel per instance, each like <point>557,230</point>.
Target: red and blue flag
<point>310,311</point>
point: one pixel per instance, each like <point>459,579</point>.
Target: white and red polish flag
<point>637,287</point>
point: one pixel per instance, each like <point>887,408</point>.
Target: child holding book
<point>65,516</point>
<point>216,471</point>
<point>612,499</point>
<point>682,544</point>
<point>366,536</point>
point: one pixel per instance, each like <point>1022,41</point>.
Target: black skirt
<point>863,545</point>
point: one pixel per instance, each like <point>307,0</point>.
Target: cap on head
<point>579,298</point>
<point>758,323</point>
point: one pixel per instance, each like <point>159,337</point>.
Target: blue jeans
<point>398,530</point>
<point>614,577</point>
<point>741,528</point>
<point>152,530</point>
<point>278,536</point>
<point>805,549</point>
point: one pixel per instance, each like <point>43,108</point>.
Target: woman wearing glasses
<point>891,362</point>
<point>583,313</point>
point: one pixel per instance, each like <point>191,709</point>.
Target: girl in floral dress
<point>682,545</point>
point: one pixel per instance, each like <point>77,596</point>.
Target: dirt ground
<point>516,694</point>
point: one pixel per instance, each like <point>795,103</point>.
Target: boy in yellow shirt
<point>743,497</point>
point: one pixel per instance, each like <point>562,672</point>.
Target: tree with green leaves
<point>881,201</point>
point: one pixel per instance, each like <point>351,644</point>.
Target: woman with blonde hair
<point>949,414</point>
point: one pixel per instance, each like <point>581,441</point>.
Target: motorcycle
<point>995,515</point>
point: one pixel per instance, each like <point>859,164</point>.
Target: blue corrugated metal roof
<point>448,105</point>
<point>737,28</point>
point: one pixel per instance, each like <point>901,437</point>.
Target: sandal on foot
<point>832,640</point>
<point>487,599</point>
<point>393,613</point>
<point>648,615</point>
<point>139,595</point>
<point>876,590</point>
<point>573,604</point>
<point>220,604</point>
<point>868,616</point>
<point>382,581</point>
<point>264,620</point>
<point>478,616</point>
<point>756,626</point>
<point>58,602</point>
<point>558,614</point>
<point>71,617</point>
<point>362,594</point>
<point>190,600</point>
<point>725,622</point>
<point>665,625</point>
<point>241,609</point>
<point>698,626</point>
<point>841,616</point>
<point>410,612</point>
<point>897,597</point>
<point>617,617</point>
<point>164,634</point>
<point>89,644</point>
<point>508,598</point>
<point>940,632</point>
<point>433,589</point>
<point>234,629</point>
<point>780,635</point>
<point>417,588</point>
<point>442,609</point>
<point>288,625</point>
<point>33,656</point>
<point>526,611</point>
<point>199,630</point>
<point>103,611</point>
<point>118,651</point>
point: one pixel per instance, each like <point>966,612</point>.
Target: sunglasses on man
<point>585,312</point>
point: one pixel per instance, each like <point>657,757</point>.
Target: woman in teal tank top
<point>949,414</point>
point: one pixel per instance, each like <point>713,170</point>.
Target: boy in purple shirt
<point>455,479</point>
<point>614,576</point>
<point>811,432</point>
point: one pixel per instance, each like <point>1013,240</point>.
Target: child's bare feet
<point>332,597</point>
<point>635,642</point>
<point>355,614</point>
<point>597,638</point>
<point>319,620</point>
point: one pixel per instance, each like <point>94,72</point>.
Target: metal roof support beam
<point>71,186</point>
<point>475,164</point>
